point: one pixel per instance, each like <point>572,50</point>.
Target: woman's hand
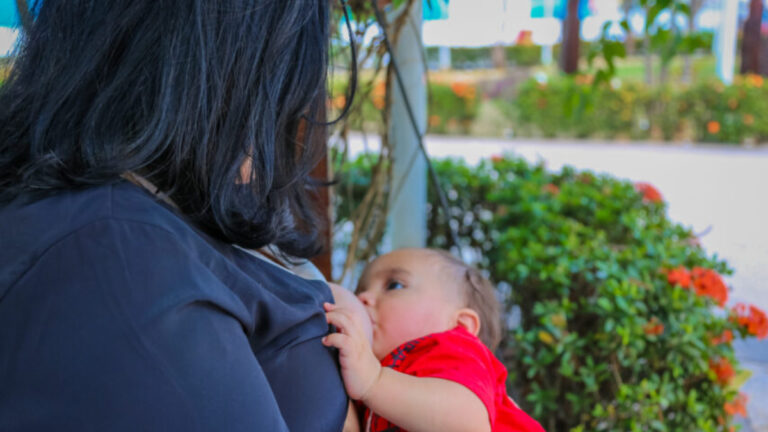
<point>359,367</point>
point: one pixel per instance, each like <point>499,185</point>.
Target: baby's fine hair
<point>480,296</point>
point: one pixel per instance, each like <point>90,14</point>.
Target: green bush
<point>708,111</point>
<point>734,113</point>
<point>573,107</point>
<point>523,55</point>
<point>451,107</point>
<point>471,58</point>
<point>611,334</point>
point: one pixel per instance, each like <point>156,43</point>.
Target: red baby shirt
<point>458,356</point>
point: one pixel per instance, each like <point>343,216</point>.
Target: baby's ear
<point>469,319</point>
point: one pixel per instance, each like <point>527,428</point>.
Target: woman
<point>139,141</point>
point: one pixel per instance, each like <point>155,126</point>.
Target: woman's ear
<point>469,319</point>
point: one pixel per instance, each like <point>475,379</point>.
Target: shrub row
<point>705,112</point>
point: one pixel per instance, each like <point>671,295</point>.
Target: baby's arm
<point>413,403</point>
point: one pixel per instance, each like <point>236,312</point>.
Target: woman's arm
<point>413,403</point>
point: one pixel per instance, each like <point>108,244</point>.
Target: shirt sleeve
<point>459,357</point>
<point>121,329</point>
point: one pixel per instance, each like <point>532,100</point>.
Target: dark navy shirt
<point>116,315</point>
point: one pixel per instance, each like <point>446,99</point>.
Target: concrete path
<point>721,192</point>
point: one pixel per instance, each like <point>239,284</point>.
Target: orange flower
<point>679,276</point>
<point>497,158</point>
<point>738,406</point>
<point>753,319</point>
<point>723,369</point>
<point>339,101</point>
<point>551,188</point>
<point>654,327</point>
<point>755,80</point>
<point>708,283</point>
<point>713,127</point>
<point>733,103</point>
<point>748,119</point>
<point>725,337</point>
<point>435,120</point>
<point>584,79</point>
<point>378,95</point>
<point>460,89</point>
<point>649,193</point>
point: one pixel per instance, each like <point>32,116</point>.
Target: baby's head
<point>410,293</point>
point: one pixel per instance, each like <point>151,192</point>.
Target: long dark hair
<point>181,92</point>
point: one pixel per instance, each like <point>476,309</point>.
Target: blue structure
<point>538,9</point>
<point>435,9</point>
<point>9,15</point>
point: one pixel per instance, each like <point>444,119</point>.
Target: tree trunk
<point>665,61</point>
<point>629,41</point>
<point>25,17</point>
<point>750,45</point>
<point>688,60</point>
<point>569,61</point>
<point>647,55</point>
<point>648,60</point>
<point>499,56</point>
<point>764,58</point>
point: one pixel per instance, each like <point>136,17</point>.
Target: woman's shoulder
<point>123,238</point>
<point>31,228</point>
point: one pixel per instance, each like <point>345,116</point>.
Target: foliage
<point>574,106</point>
<point>707,111</point>
<point>473,58</point>
<point>621,325</point>
<point>523,55</point>
<point>451,107</point>
<point>735,113</point>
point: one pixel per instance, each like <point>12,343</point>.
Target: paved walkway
<point>721,192</point>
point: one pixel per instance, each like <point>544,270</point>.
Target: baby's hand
<point>359,367</point>
<point>345,299</point>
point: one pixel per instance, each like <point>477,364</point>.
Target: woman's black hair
<point>181,92</point>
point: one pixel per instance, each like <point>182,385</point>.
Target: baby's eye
<point>394,285</point>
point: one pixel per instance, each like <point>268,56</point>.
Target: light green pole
<point>408,213</point>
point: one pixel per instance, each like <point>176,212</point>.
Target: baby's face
<point>408,294</point>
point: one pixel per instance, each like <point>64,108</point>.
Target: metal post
<point>444,55</point>
<point>727,40</point>
<point>546,49</point>
<point>408,211</point>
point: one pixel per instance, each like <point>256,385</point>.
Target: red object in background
<point>738,406</point>
<point>706,282</point>
<point>725,337</point>
<point>551,188</point>
<point>649,193</point>
<point>723,369</point>
<point>753,319</point>
<point>679,276</point>
<point>525,38</point>
<point>654,327</point>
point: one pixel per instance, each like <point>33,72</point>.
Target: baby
<point>430,366</point>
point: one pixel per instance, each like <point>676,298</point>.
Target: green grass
<point>633,69</point>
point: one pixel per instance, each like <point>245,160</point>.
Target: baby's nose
<point>366,298</point>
